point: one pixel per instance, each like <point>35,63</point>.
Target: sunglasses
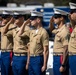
<point>57,16</point>
<point>0,15</point>
<point>33,17</point>
<point>17,16</point>
<point>5,16</point>
<point>72,11</point>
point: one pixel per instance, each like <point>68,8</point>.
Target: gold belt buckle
<point>19,54</point>
<point>23,54</point>
<point>16,54</point>
<point>34,55</point>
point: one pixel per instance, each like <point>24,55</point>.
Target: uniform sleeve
<point>45,39</point>
<point>54,31</point>
<point>10,30</point>
<point>25,34</point>
<point>9,33</point>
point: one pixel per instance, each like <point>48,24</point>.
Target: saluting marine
<point>72,42</point>
<point>38,45</point>
<point>60,51</point>
<point>6,45</point>
<point>20,45</point>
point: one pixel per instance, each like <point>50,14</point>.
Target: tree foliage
<point>59,2</point>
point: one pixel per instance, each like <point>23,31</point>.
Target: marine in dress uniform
<point>20,46</point>
<point>39,42</point>
<point>72,42</point>
<point>38,45</point>
<point>0,27</point>
<point>0,17</point>
<point>6,45</point>
<point>0,36</point>
<point>60,50</point>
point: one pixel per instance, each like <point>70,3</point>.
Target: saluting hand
<point>52,20</point>
<point>26,22</point>
<point>12,20</point>
<point>51,24</point>
<point>69,16</point>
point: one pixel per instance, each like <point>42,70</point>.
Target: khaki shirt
<point>6,42</point>
<point>0,29</point>
<point>0,38</point>
<point>72,42</point>
<point>61,39</point>
<point>20,42</point>
<point>38,41</point>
